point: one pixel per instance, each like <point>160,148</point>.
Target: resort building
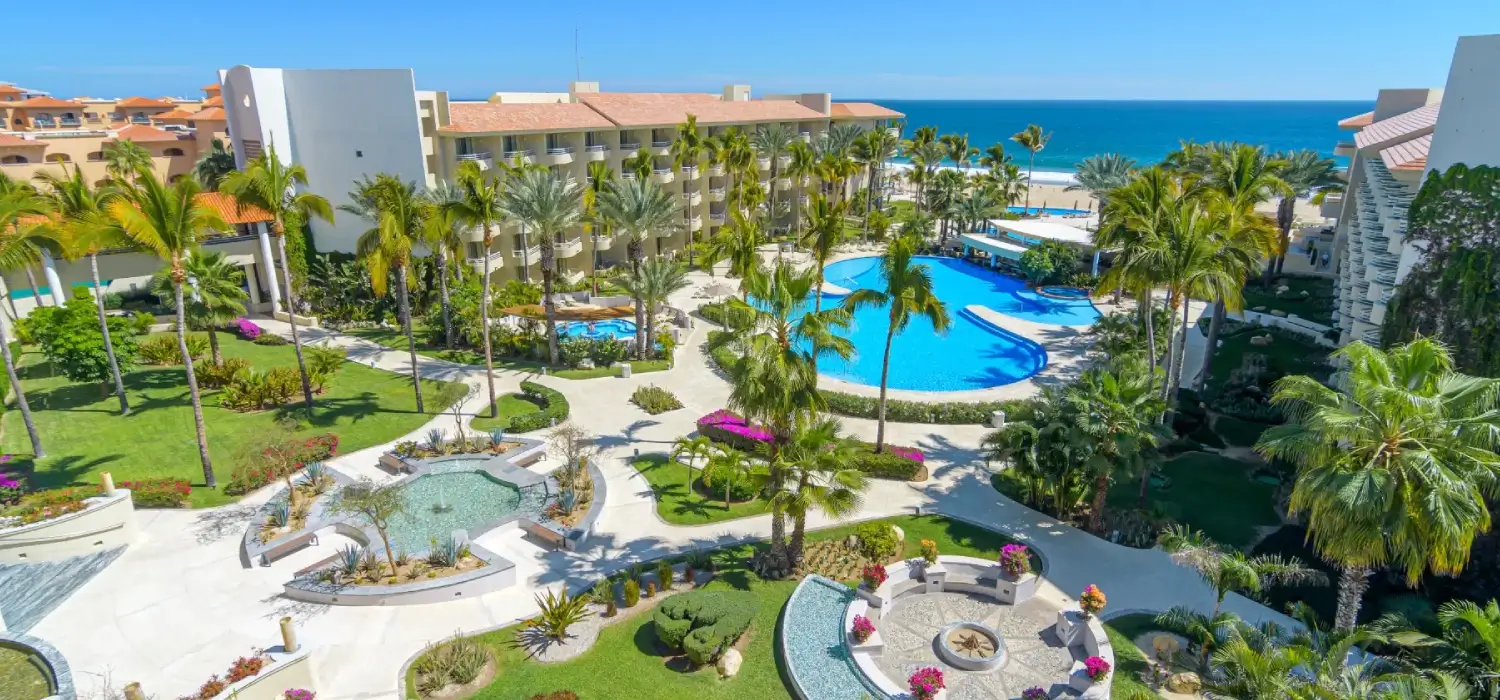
<point>1409,133</point>
<point>424,137</point>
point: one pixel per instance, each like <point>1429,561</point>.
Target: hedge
<point>887,465</point>
<point>704,623</point>
<point>554,409</point>
<point>1237,432</point>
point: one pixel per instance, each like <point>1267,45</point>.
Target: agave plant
<point>603,591</point>
<point>281,513</point>
<point>349,558</point>
<point>567,500</point>
<point>558,613</point>
<point>370,561</point>
<point>436,442</point>
<point>446,552</point>
<point>318,477</point>
<point>497,436</point>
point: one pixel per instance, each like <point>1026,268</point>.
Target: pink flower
<point>926,683</point>
<point>1096,667</point>
<point>1015,560</point>
<point>863,628</point>
<point>1034,693</point>
<point>910,453</point>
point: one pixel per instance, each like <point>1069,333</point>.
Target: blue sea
<point>1144,130</point>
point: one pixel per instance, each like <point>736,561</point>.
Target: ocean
<point>1143,130</point>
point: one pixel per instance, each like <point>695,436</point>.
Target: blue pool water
<point>1049,211</point>
<point>974,354</point>
<point>813,643</point>
<point>619,329</point>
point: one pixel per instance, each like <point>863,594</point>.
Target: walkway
<point>177,607</point>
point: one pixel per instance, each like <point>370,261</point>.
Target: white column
<point>268,266</point>
<point>49,266</point>
<point>1096,263</point>
<point>251,284</point>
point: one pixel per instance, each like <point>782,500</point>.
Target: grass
<point>396,340</point>
<point>84,433</point>
<point>626,661</point>
<point>677,504</point>
<point>1130,663</point>
<point>1287,353</point>
<point>20,679</point>
<point>1212,493</point>
<point>511,406</point>
<point>1316,307</point>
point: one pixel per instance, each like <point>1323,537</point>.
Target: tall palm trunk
<point>1096,510</point>
<point>442,266</point>
<point>291,313</point>
<point>36,292</point>
<point>213,345</point>
<point>885,373</point>
<point>1030,173</point>
<point>525,257</point>
<point>869,202</point>
<point>1353,581</point>
<point>411,343</point>
<point>1285,217</point>
<point>549,305</point>
<point>775,166</point>
<point>1145,305</point>
<point>799,529</point>
<point>109,346</point>
<point>484,321</point>
<point>1176,376</point>
<point>1171,337</point>
<point>636,255</point>
<point>15,384</point>
<point>187,363</point>
<point>1214,326</point>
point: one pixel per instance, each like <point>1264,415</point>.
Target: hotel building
<point>1409,134</point>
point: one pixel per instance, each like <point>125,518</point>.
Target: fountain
<point>970,646</point>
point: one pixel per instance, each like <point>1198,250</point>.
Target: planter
<point>1014,590</point>
<point>933,576</point>
<point>105,522</point>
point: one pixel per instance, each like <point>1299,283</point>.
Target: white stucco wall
<point>255,107</point>
<point>346,124</point>
<point>1468,127</point>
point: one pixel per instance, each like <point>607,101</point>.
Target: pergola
<point>1009,239</point>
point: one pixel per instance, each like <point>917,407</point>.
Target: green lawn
<point>1287,353</point>
<point>1212,493</point>
<point>680,506</point>
<point>20,678</point>
<point>627,663</point>
<point>84,434</point>
<point>1316,307</point>
<point>395,340</point>
<point>1130,663</point>
<point>511,406</point>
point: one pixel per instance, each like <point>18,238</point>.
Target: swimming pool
<point>618,329</point>
<point>1045,211</point>
<point>974,354</point>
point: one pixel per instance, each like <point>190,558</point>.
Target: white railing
<point>634,145</point>
<point>463,157</point>
<point>716,190</point>
<point>627,175</point>
<point>690,171</point>
<point>719,217</point>
<point>661,144</point>
<point>662,171</point>
<point>600,148</point>
<point>511,155</point>
<point>68,122</point>
<point>530,255</point>
<point>43,123</point>
<point>559,150</point>
<point>569,248</point>
<point>140,120</point>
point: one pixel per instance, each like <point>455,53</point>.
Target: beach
<point>1048,188</point>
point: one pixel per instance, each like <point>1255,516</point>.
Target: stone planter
<point>1014,590</point>
<point>869,596</point>
<point>873,645</point>
<point>1070,626</point>
<point>933,576</point>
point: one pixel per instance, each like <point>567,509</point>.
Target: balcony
<point>627,175</point>
<point>716,194</point>
<point>496,260</point>
<point>763,163</point>
<point>630,147</point>
<point>140,119</point>
<point>717,218</point>
<point>806,136</point>
<point>695,223</point>
<point>604,242</point>
<point>783,162</point>
<point>661,148</point>
<point>662,175</point>
<point>783,183</point>
<point>568,248</point>
<point>716,170</point>
<point>530,256</point>
<point>690,172</point>
<point>572,276</point>
<point>557,155</point>
<point>894,131</point>
<point>692,198</point>
<point>69,121</point>
<point>595,152</point>
<point>526,156</point>
<point>43,124</point>
<point>483,159</point>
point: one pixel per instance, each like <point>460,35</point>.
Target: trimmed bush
<point>877,540</point>
<point>164,492</point>
<point>895,463</point>
<point>270,339</point>
<point>554,408</point>
<point>252,390</point>
<point>1237,432</point>
<point>740,489</point>
<point>654,399</point>
<point>704,623</point>
<point>630,591</point>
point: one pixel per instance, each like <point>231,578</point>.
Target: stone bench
<point>288,545</point>
<point>393,464</point>
<point>1085,638</point>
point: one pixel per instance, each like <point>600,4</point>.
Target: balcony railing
<point>43,123</point>
<point>598,148</point>
<point>764,163</point>
<point>524,155</point>
<point>463,157</point>
<point>530,255</point>
<point>661,144</point>
<point>559,150</point>
<point>630,146</point>
<point>140,119</point>
<point>690,171</point>
<point>69,122</point>
<point>717,190</point>
<point>627,175</point>
<point>717,218</point>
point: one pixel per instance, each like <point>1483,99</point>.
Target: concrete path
<point>177,606</point>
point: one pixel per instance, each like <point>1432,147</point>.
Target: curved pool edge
<point>836,671</point>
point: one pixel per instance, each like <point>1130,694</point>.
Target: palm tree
<point>822,466</point>
<point>873,150</point>
<point>1305,172</point>
<point>651,284</point>
<point>443,232</point>
<point>1133,222</point>
<point>641,165</point>
<point>214,165</point>
<point>825,232</point>
<point>84,229</point>
<point>739,242</point>
<point>399,221</point>
<point>802,167</point>
<point>977,208</point>
<point>925,158</point>
<point>729,466</point>
<point>772,141</point>
<point>19,205</point>
<point>908,294</point>
<point>217,298</point>
<point>1033,139</point>
<point>1233,571</point>
<point>600,176</point>
<point>272,185</point>
<point>1100,175</point>
<point>639,209</point>
<point>480,207</point>
<point>959,150</point>
<point>126,160</point>
<point>169,221</point>
<point>1203,631</point>
<point>549,204</point>
<point>994,156</point>
<point>692,448</point>
<point>1393,465</point>
<point>687,151</point>
<point>1115,406</point>
<point>1468,643</point>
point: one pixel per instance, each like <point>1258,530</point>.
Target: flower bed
<point>896,462</point>
<point>319,448</point>
<point>247,329</point>
<point>926,683</point>
<point>164,492</point>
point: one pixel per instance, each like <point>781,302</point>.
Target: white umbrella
<point>720,289</point>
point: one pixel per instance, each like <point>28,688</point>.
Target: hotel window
<point>591,139</point>
<point>14,160</point>
<point>512,144</point>
<point>95,156</point>
<point>554,141</point>
<point>464,146</point>
<point>172,152</point>
<point>91,116</point>
<point>140,118</point>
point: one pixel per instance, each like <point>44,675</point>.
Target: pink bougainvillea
<point>862,629</point>
<point>1096,667</point>
<point>873,575</point>
<point>1034,693</point>
<point>926,683</point>
<point>1015,560</point>
<point>910,453</point>
<point>722,424</point>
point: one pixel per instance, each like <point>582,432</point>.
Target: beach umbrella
<point>720,289</point>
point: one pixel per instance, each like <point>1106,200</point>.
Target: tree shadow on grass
<point>67,470</point>
<point>328,412</point>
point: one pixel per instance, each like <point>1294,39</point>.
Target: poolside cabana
<point>1007,239</point>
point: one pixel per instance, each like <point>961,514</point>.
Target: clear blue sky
<point>1108,49</point>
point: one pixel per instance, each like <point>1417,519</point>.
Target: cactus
<point>348,559</point>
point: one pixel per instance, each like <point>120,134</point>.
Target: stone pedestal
<point>1014,591</point>
<point>869,596</point>
<point>1070,626</point>
<point>624,370</point>
<point>997,419</point>
<point>934,575</point>
<point>873,646</point>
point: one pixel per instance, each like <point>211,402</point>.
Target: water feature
<point>617,329</point>
<point>456,495</point>
<point>813,643</point>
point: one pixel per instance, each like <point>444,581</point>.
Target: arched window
<point>13,160</point>
<point>140,118</point>
<point>95,156</point>
<point>172,152</point>
<point>59,158</point>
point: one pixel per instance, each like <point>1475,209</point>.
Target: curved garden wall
<point>107,522</point>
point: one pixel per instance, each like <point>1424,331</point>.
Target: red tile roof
<point>8,141</point>
<point>1402,127</point>
<point>212,114</point>
<point>1408,155</point>
<point>862,110</point>
<point>671,108</point>
<point>230,210</point>
<point>47,102</point>
<point>211,87</point>
<point>10,90</point>
<point>176,114</point>
<point>143,102</point>
<point>1357,121</point>
<point>141,133</point>
<point>486,117</point>
<point>215,101</point>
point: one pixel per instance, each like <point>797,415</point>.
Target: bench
<point>287,546</point>
<point>393,464</point>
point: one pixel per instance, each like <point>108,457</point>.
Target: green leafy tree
<point>548,204</point>
<point>1394,463</point>
<point>1115,409</point>
<point>728,466</point>
<point>822,466</point>
<point>639,209</point>
<point>693,449</point>
<point>1233,571</point>
<point>377,505</point>
<point>1305,173</point>
<point>825,232</point>
<point>480,207</point>
<point>70,338</point>
<point>399,221</point>
<point>19,208</point>
<point>652,283</point>
<point>1467,643</point>
<point>217,298</point>
<point>1049,263</point>
<point>126,160</point>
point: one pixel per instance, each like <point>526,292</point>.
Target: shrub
<point>605,352</point>
<point>141,322</point>
<point>456,661</point>
<point>211,687</point>
<point>324,361</point>
<point>162,349</point>
<point>929,551</point>
<point>741,488</point>
<point>862,629</point>
<point>727,427</point>
<point>654,399</point>
<point>69,337</point>
<point>704,623</point>
<point>664,574</point>
<point>554,408</point>
<point>52,503</point>
<point>318,448</point>
<point>164,492</point>
<point>253,390</point>
<point>1015,560</point>
<point>631,592</point>
<point>877,541</point>
<point>217,375</point>
<point>872,576</point>
<point>1237,432</point>
<point>559,611</point>
<point>246,329</point>
<point>573,351</point>
<point>925,683</point>
<point>650,589</point>
<point>298,694</point>
<point>12,486</point>
<point>898,463</point>
<point>245,667</point>
<point>1035,692</point>
<point>270,339</point>
<point>902,411</point>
